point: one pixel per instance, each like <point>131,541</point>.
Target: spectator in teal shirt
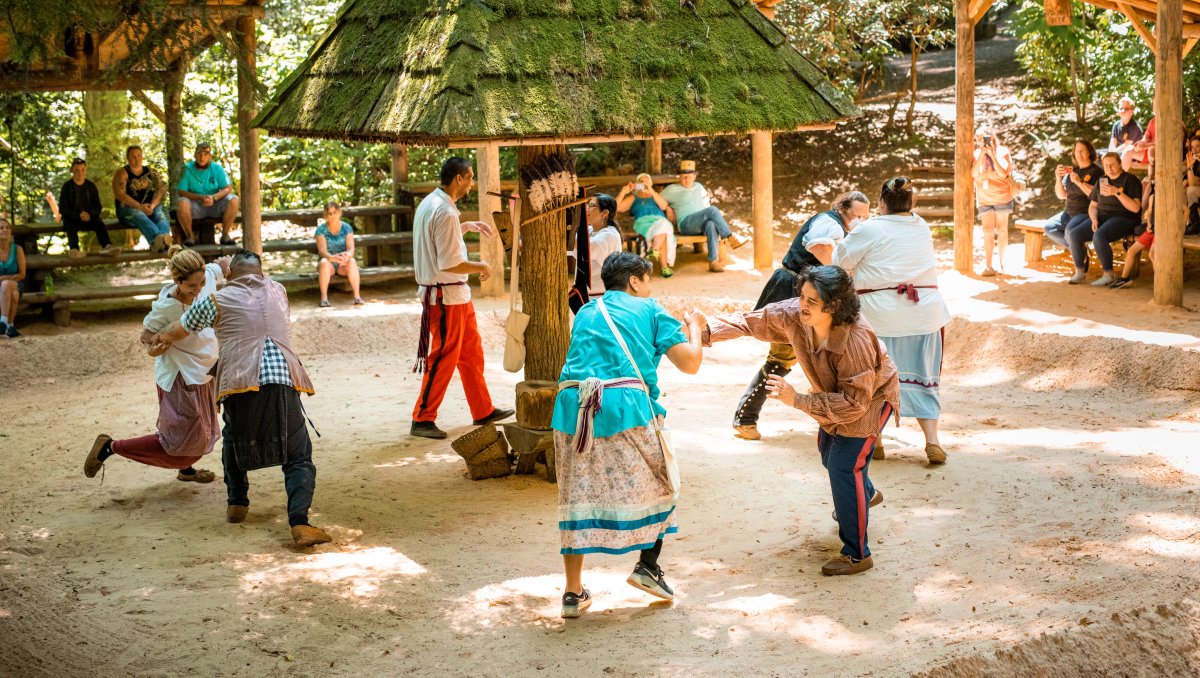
<point>205,193</point>
<point>696,216</point>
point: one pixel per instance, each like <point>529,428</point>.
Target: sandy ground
<point>1071,419</point>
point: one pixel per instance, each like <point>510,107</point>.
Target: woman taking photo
<point>335,248</point>
<point>994,193</point>
<point>653,219</point>
<point>617,484</point>
<point>854,391</point>
<point>187,407</point>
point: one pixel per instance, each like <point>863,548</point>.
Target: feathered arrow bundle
<point>550,183</point>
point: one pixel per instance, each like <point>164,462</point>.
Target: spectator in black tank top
<point>139,192</point>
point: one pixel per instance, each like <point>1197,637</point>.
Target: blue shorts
<point>1003,207</point>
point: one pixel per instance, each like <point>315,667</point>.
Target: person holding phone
<point>1074,184</point>
<point>994,194</point>
<point>1114,212</point>
<point>653,219</point>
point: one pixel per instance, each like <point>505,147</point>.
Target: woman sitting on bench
<point>12,280</point>
<point>335,247</point>
<point>653,219</point>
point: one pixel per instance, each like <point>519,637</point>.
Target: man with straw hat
<point>695,215</point>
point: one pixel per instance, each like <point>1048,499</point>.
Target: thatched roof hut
<point>462,72</point>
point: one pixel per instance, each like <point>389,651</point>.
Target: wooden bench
<point>1035,237</point>
<point>60,301</point>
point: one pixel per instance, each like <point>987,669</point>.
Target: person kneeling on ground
<point>259,382</point>
<point>79,208</point>
<point>1074,184</point>
<point>205,193</point>
<point>617,480</point>
<point>187,411</point>
<point>855,390</point>
<point>848,210</point>
<point>652,219</point>
<point>335,251</point>
<point>697,216</point>
<point>138,191</point>
<point>1114,212</point>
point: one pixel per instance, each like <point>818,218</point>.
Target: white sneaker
<point>1104,280</point>
<point>1079,277</point>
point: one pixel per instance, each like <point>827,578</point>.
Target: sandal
<point>324,304</point>
<point>202,475</point>
<point>358,301</point>
<point>667,271</point>
<point>988,272</point>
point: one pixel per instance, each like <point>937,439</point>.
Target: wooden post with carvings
<point>964,138</point>
<point>544,280</point>
<point>1169,205</point>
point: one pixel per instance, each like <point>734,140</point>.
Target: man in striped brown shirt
<point>855,390</point>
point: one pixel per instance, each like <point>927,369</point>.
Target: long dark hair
<point>607,203</point>
<point>836,289</point>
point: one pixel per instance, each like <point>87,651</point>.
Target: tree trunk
<point>173,108</point>
<point>544,281</point>
<point>912,89</point>
<point>104,138</point>
<point>1075,100</point>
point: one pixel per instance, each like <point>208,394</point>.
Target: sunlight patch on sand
<point>1154,545</point>
<point>429,458</point>
<point>358,573</point>
<point>829,636</point>
<point>754,604</point>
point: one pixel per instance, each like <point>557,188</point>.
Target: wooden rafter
<point>149,104</point>
<point>979,8</point>
<point>1139,26</point>
<point>1144,10</point>
<point>1187,46</point>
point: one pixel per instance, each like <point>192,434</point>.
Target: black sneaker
<point>3,328</point>
<point>653,583</point>
<point>1120,282</point>
<point>226,240</point>
<point>496,415</point>
<point>426,429</point>
<point>575,603</point>
<point>12,332</point>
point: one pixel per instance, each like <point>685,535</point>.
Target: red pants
<point>148,450</point>
<point>455,344</point>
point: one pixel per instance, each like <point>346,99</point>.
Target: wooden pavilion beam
<point>1139,26</point>
<point>762,218</point>
<point>964,137</point>
<point>604,138</point>
<point>491,249</point>
<point>63,81</point>
<point>1170,211</point>
<point>654,156</point>
<point>1145,10</point>
<point>979,8</point>
<point>1187,47</point>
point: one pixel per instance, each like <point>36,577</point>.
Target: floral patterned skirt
<point>616,497</point>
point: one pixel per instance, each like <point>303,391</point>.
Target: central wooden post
<point>1170,213</point>
<point>964,138</point>
<point>544,280</point>
<point>250,195</point>
<point>654,156</point>
<point>763,192</point>
<point>491,250</point>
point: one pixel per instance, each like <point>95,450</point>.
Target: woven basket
<point>485,451</point>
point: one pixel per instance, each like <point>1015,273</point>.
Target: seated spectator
<point>139,192</point>
<point>1145,241</point>
<point>1115,212</point>
<point>695,215</point>
<point>604,238</point>
<point>12,280</point>
<point>1142,153</point>
<point>79,208</point>
<point>205,193</point>
<point>335,247</point>
<point>1193,171</point>
<point>653,219</point>
<point>992,168</point>
<point>1074,184</point>
<point>1125,131</point>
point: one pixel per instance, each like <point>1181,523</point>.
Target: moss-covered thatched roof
<point>437,72</point>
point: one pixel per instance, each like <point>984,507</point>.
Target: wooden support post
<point>173,122</point>
<point>654,156</point>
<point>964,138</point>
<point>250,195</point>
<point>491,249</point>
<point>544,281</point>
<point>399,173</point>
<point>762,218</point>
<point>1169,205</point>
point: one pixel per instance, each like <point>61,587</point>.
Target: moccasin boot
<point>747,431</point>
<point>92,463</point>
<point>307,535</point>
<point>877,453</point>
<point>235,513</point>
<point>716,266</point>
<point>843,565</point>
<point>935,453</point>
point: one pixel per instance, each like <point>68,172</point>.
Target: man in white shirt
<point>695,215</point>
<point>449,337</point>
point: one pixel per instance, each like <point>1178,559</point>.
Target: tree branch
<point>149,104</point>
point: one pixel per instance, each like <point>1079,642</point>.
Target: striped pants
<point>847,460</point>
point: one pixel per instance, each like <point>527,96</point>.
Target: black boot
<point>752,400</point>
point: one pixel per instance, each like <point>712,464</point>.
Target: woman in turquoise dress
<point>616,485</point>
